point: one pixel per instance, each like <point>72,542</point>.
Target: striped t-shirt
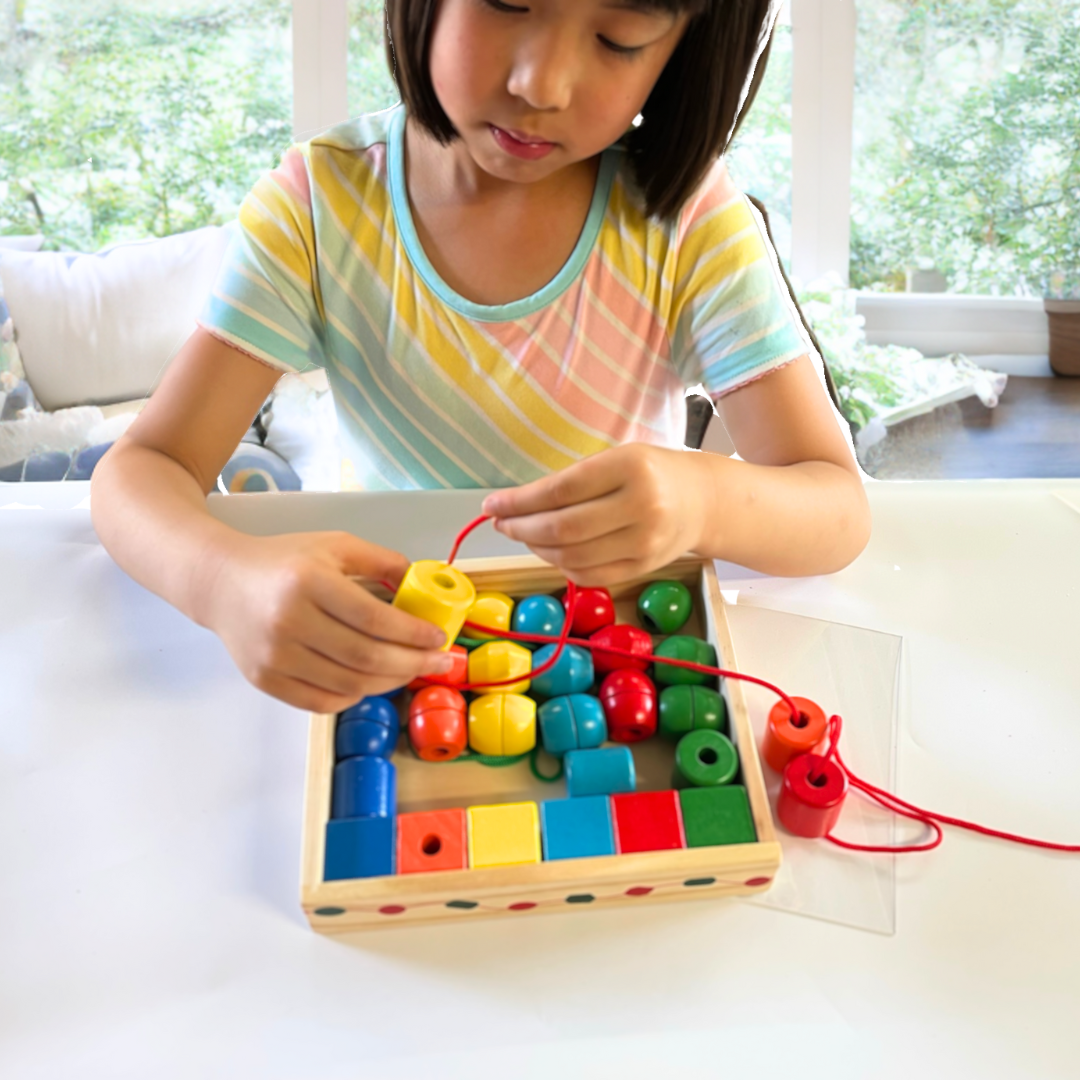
<point>435,391</point>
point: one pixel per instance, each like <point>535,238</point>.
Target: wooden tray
<point>340,906</point>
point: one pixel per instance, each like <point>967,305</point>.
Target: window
<point>124,119</point>
<point>760,157</point>
<point>371,87</point>
<point>965,134</point>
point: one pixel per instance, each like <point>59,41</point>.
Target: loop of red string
<point>883,798</point>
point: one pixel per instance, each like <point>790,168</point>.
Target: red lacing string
<point>879,795</point>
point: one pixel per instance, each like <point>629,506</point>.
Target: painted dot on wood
<point>639,890</point>
<point>525,905</point>
<point>391,909</point>
<point>754,882</point>
<point>330,911</point>
<point>581,898</point>
<point>462,905</point>
<point>701,881</point>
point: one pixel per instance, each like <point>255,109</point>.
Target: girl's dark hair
<point>686,123</point>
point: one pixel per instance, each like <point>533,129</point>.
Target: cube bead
<point>432,840</point>
<point>504,835</point>
<point>358,848</point>
<point>717,815</point>
<point>648,821</point>
<point>577,828</point>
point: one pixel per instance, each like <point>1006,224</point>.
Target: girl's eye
<point>620,50</point>
<point>498,5</point>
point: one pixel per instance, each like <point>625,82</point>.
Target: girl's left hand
<point>611,517</point>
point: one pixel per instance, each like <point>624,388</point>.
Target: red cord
<point>882,797</point>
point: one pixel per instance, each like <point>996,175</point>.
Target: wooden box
<point>340,906</point>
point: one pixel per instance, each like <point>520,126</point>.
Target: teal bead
<point>684,647</point>
<point>705,759</point>
<point>686,708</point>
<point>538,615</point>
<point>572,673</point>
<point>571,722</point>
<point>664,606</point>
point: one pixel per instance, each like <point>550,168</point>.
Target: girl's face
<point>536,86</point>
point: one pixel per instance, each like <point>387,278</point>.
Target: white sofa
<point>94,334</point>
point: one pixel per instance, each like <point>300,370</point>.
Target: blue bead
<point>577,828</point>
<point>573,674</point>
<point>378,709</point>
<point>571,722</point>
<point>606,771</point>
<point>359,847</point>
<point>364,738</point>
<point>538,615</point>
<point>364,787</point>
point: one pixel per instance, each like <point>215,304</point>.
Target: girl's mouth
<point>530,150</point>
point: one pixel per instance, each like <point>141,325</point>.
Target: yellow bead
<point>502,724</point>
<point>490,609</point>
<point>505,835</point>
<point>498,660</point>
<point>436,592</point>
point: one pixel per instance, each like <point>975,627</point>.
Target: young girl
<point>510,279</point>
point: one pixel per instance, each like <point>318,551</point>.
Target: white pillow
<point>22,243</point>
<point>95,329</point>
<point>302,428</point>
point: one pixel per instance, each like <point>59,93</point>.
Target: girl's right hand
<point>300,630</point>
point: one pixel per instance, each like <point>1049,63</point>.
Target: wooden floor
<point>1033,432</point>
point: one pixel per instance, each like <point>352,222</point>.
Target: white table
<point>150,823</point>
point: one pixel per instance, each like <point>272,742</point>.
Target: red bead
<point>438,729</point>
<point>622,636</point>
<point>455,676</point>
<point>629,700</point>
<point>647,821</point>
<point>785,737</point>
<point>593,610</point>
<point>811,796</point>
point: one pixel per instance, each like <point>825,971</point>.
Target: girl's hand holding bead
<point>614,516</point>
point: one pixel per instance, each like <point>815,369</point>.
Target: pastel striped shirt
<point>433,390</point>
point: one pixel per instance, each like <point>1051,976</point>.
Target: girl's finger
<point>623,545</point>
<point>350,604</point>
<point>585,480</point>
<point>304,695</point>
<point>583,523</point>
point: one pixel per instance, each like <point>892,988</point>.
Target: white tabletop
<point>150,827</point>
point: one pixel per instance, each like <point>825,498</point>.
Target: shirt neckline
<point>516,309</point>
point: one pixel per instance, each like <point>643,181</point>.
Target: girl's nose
<point>545,71</point>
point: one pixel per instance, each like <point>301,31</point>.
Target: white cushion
<point>22,243</point>
<point>94,329</point>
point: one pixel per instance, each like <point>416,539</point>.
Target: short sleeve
<point>265,300</point>
<point>732,318</point>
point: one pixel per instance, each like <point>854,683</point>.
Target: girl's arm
<point>284,606</point>
<point>794,505</point>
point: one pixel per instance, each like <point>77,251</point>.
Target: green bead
<point>664,606</point>
<point>684,647</point>
<point>717,815</point>
<point>468,643</point>
<point>691,708</point>
<point>705,759</point>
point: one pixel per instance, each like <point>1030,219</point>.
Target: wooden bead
<point>811,795</point>
<point>436,592</point>
<point>705,759</point>
<point>364,787</point>
<point>594,609</point>
<point>576,828</point>
<point>664,606</point>
<point>432,840</point>
<point>691,708</point>
<point>437,726</point>
<point>572,673</point>
<point>717,815</point>
<point>787,737</point>
<point>502,725</point>
<point>504,835</point>
<point>370,728</point>
<point>538,615</point>
<point>604,771</point>
<point>493,609</point>
<point>620,636</point>
<point>685,647</point>
<point>571,722</point>
<point>648,821</point>
<point>498,660</point>
<point>629,700</point>
<point>359,848</point>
